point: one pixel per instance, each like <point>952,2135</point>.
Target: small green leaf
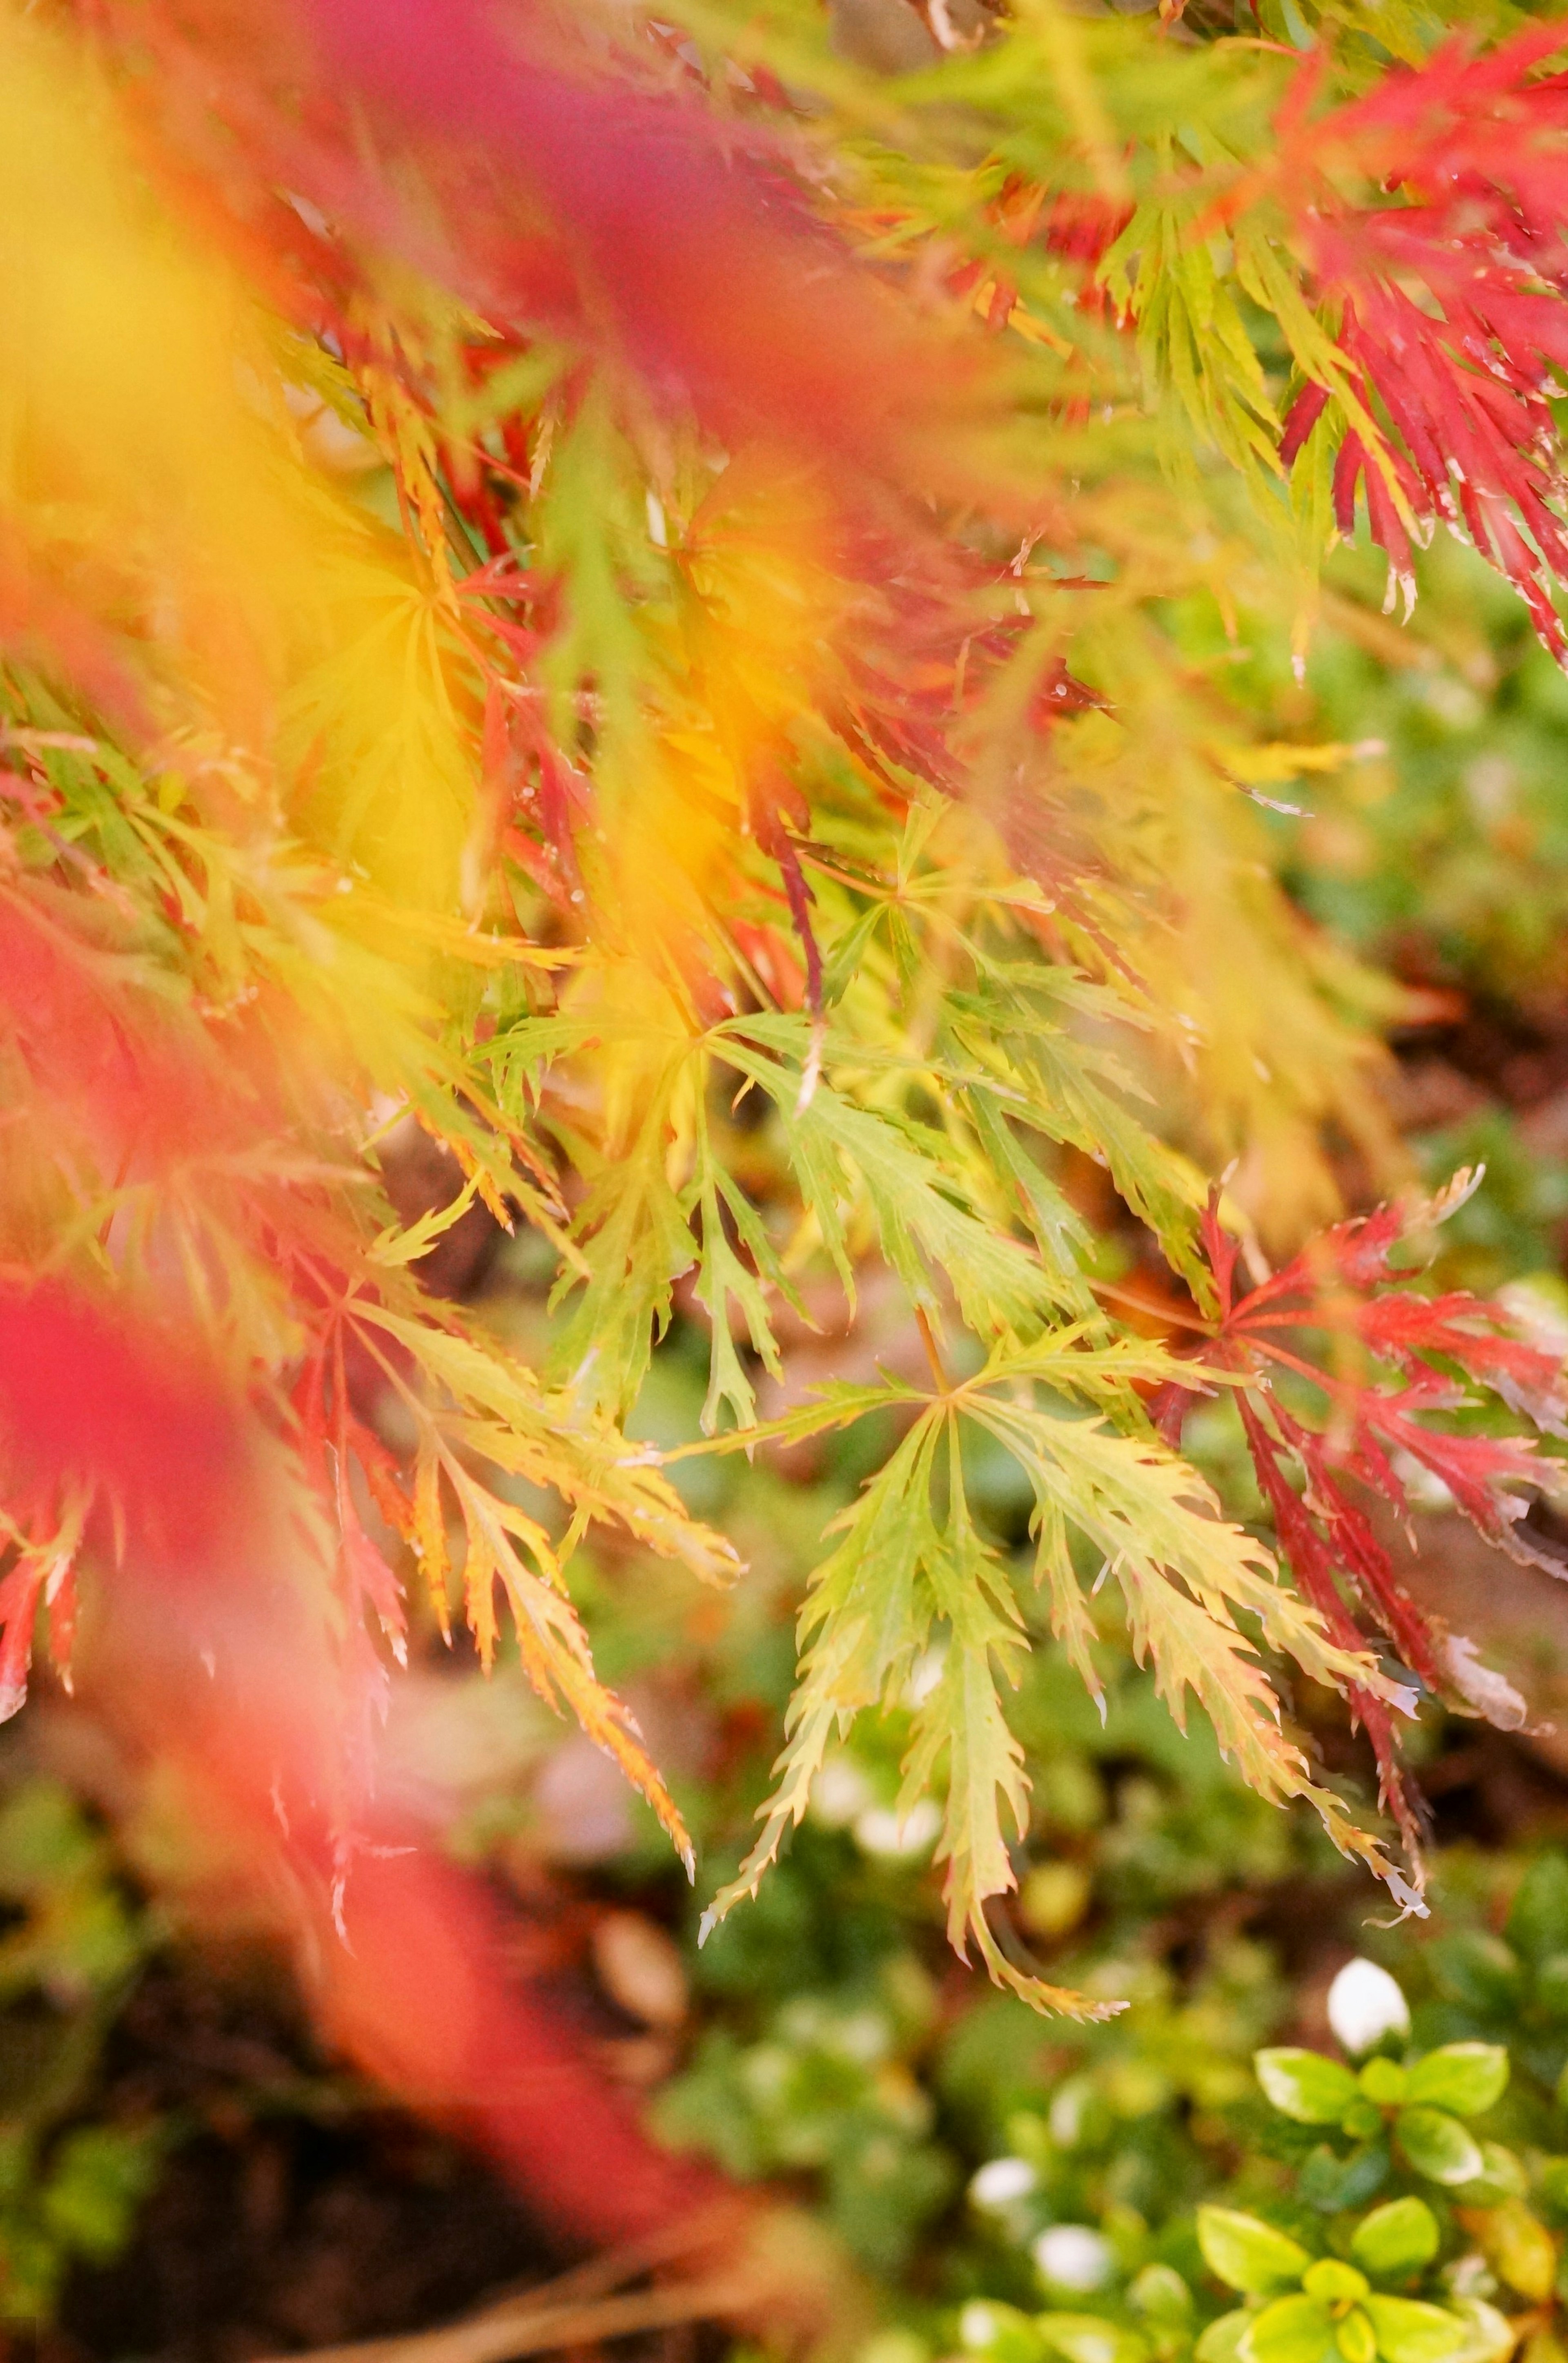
<point>1479,1971</point>
<point>1463,2077</point>
<point>1304,2085</point>
<point>1502,2176</point>
<point>1410,2332</point>
<point>46,1841</point>
<point>98,2178</point>
<point>1086,2338</point>
<point>1363,2120</point>
<point>1538,1925</point>
<point>1160,2293</point>
<point>1221,2342</point>
<point>1334,2282</point>
<point>1396,2239</point>
<point>1247,2253</point>
<point>1384,2081</point>
<point>999,2332</point>
<point>1355,2339</point>
<point>1437,2146</point>
<point>1520,2250</point>
<point>1489,2336</point>
<point>1551,1986</point>
<point>1329,2183</point>
<point>1293,2330</point>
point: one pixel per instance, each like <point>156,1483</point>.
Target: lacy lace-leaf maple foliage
<point>1342,1319</point>
<point>555,572</point>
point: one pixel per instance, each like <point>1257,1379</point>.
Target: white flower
<point>977,2324</point>
<point>881,1831</point>
<point>1002,2181</point>
<point>1073,2257</point>
<point>839,1791</point>
<point>1364,2005</point>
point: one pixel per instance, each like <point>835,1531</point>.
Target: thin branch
<point>510,2330</point>
<point>570,2310</point>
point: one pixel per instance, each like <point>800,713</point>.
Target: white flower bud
<point>1364,2005</point>
<point>977,2326</point>
<point>839,1791</point>
<point>1000,2181</point>
<point>1073,2257</point>
<point>881,1831</point>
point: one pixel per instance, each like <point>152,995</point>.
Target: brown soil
<point>299,2212</point>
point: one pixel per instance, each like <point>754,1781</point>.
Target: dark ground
<point>299,2213</point>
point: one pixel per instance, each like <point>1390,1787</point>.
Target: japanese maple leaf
<point>1385,1361</point>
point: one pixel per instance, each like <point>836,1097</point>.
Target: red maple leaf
<point>1449,295</point>
<point>1383,1360</point>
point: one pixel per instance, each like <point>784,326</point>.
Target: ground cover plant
<point>671,654</point>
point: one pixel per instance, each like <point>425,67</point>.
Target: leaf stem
<point>1169,1314</point>
<point>932,1351</point>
